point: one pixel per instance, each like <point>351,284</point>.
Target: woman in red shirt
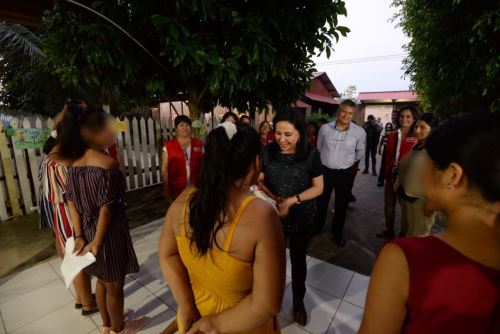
<point>266,133</point>
<point>181,161</point>
<point>447,283</point>
<point>399,143</point>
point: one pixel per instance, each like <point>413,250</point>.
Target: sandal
<point>86,313</point>
<point>79,305</point>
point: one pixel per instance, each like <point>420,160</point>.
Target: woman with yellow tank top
<point>222,250</point>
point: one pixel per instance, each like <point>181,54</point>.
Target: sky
<point>372,34</point>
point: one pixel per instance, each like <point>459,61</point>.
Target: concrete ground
<point>35,300</point>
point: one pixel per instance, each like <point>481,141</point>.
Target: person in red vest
<point>399,144</point>
<point>181,160</point>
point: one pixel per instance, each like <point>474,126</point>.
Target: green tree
<point>242,54</point>
<point>453,54</point>
<point>26,76</point>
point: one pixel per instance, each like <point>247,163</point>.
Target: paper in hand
<point>72,264</point>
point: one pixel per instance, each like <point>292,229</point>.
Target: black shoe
<point>299,314</point>
<point>386,234</point>
<point>339,241</point>
<point>352,198</point>
<point>365,171</point>
<point>380,183</point>
<point>79,306</point>
<point>374,173</point>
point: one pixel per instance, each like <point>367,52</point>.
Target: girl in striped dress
<point>54,213</point>
<point>96,199</point>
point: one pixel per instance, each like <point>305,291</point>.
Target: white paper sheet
<point>72,264</point>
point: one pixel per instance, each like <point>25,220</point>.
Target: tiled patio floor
<point>35,300</point>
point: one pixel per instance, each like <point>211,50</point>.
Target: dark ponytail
<point>224,162</point>
<point>471,141</point>
<point>71,142</point>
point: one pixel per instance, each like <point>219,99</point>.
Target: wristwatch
<point>298,199</point>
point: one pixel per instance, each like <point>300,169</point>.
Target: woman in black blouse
<point>292,175</point>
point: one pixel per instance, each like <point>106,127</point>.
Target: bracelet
<point>298,199</point>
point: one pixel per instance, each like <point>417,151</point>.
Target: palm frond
<point>17,40</point>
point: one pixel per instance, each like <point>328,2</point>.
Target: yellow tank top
<point>219,281</point>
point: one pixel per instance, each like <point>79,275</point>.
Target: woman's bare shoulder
<point>262,215</point>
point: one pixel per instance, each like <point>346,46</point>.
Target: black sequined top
<point>285,177</point>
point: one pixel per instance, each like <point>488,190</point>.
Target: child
<point>95,193</point>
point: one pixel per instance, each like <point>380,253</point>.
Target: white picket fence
<point>139,152</point>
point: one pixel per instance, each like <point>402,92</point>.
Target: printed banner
<point>23,139</point>
<point>119,126</point>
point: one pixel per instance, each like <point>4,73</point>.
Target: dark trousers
<point>381,174</point>
<point>298,242</point>
<point>341,180</point>
<point>371,150</point>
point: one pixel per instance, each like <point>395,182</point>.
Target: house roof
<point>321,98</point>
<point>327,82</point>
<point>389,96</point>
<point>302,104</point>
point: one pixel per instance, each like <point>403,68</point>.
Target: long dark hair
<point>297,119</point>
<point>70,140</point>
<point>471,141</point>
<point>51,141</point>
<point>224,162</point>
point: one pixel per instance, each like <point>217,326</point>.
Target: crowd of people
<point>222,247</point>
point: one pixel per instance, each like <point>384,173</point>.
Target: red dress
<point>177,172</point>
<point>449,293</point>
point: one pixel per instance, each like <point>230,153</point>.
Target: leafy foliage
<point>454,56</point>
<point>242,54</point>
<point>26,76</point>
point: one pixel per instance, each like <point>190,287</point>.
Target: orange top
<point>219,281</point>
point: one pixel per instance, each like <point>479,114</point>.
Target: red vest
<point>390,150</point>
<point>177,175</point>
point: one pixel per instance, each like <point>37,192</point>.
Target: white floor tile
<point>146,251</point>
<point>289,328</point>
<point>2,327</point>
<point>160,316</point>
<point>145,230</point>
<point>320,308</point>
<point>150,275</point>
<point>63,320</point>
<point>56,266</point>
<point>167,297</point>
<point>356,292</point>
<point>30,306</point>
<point>347,319</point>
<point>327,277</point>
<point>134,294</point>
<point>25,281</point>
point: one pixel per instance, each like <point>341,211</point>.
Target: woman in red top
<point>399,143</point>
<point>181,161</point>
<point>448,283</point>
<point>266,133</point>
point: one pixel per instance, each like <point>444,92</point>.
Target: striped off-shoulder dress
<point>54,212</point>
<point>90,188</point>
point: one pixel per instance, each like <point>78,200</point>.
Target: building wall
<point>379,111</point>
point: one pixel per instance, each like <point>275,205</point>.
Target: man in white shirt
<point>341,144</point>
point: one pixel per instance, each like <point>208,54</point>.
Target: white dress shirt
<point>341,149</point>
